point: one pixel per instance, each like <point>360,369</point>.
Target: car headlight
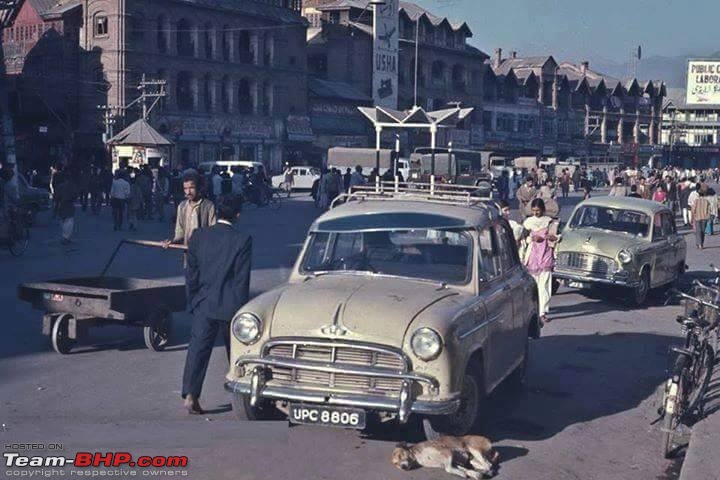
<point>246,328</point>
<point>426,344</point>
<point>625,257</point>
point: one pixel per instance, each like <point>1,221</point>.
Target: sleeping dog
<point>471,456</point>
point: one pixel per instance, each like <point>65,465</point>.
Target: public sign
<point>385,54</point>
<point>703,82</point>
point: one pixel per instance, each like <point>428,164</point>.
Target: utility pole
<point>109,119</point>
<point>149,90</point>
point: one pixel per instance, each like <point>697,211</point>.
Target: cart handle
<point>144,243</point>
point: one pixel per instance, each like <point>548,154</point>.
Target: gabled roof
<point>140,133</point>
<point>49,9</point>
<point>522,66</point>
<point>416,115</point>
<point>413,12</point>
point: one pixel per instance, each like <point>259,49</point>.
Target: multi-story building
<point>448,69</point>
<point>235,70</point>
<point>692,133</point>
<point>537,105</point>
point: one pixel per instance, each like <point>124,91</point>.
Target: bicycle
<point>692,367</point>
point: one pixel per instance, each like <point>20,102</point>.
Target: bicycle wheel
<point>699,377</point>
<point>673,404</point>
<point>19,240</point>
<point>275,200</point>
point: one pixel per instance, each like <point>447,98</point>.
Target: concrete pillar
<point>541,91</point>
<point>652,130</point>
<point>555,92</point>
<point>620,127</point>
<point>603,126</point>
<point>587,116</point>
<point>636,128</point>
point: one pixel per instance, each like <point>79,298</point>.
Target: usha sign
<point>385,54</point>
<point>703,82</point>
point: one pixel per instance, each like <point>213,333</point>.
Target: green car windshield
<point>613,219</point>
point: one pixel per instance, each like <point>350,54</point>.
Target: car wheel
<point>263,410</point>
<point>640,293</point>
<point>518,378</point>
<point>463,421</point>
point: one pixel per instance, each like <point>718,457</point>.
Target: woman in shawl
<point>541,237</point>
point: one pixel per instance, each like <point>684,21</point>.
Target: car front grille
<point>587,263</point>
<point>338,356</point>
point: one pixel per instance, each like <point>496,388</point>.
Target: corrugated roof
<point>53,8</point>
<point>328,89</point>
<point>139,133</point>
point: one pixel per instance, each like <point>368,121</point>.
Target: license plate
<point>55,297</point>
<point>578,285</point>
<point>327,416</point>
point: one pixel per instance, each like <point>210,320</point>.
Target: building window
<point>100,25</point>
<point>185,40</point>
<point>317,64</point>
<point>245,53</point>
<point>184,92</point>
<point>209,36</point>
<point>267,99</point>
<point>268,50</point>
<point>162,34</point>
<point>438,73</point>
<point>207,93</point>
<point>245,100</point>
<point>225,94</point>
<point>504,122</point>
<point>225,43</point>
<point>458,78</point>
<point>334,17</point>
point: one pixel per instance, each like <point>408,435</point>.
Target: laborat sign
<point>703,82</point>
<point>385,54</point>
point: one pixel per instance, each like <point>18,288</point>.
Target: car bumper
<point>620,280</point>
<point>257,370</point>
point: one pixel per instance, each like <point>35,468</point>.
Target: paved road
<point>593,392</point>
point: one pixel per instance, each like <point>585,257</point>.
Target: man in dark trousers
<point>218,278</point>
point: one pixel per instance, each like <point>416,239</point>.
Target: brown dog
<point>471,456</point>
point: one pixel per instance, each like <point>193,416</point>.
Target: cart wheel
<point>157,331</point>
<point>61,341</point>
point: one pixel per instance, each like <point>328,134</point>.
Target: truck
<point>343,158</point>
<point>464,167</point>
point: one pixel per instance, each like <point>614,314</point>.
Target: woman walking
<point>539,258</point>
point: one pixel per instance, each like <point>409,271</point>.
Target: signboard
<point>703,82</point>
<point>385,54</point>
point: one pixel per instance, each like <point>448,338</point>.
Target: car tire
<point>639,294</point>
<point>465,419</point>
<point>518,379</point>
<point>264,410</point>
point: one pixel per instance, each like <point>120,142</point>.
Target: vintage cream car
<point>621,241</point>
<point>399,303</point>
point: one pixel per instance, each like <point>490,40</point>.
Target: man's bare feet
<point>193,405</point>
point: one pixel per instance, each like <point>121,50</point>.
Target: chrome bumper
<point>403,404</point>
<point>575,276</point>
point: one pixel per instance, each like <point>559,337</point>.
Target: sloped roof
<point>255,9</point>
<point>328,89</point>
<point>416,115</point>
<point>140,133</point>
<point>522,66</point>
<point>48,9</point>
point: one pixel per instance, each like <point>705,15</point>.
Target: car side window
<point>489,262</point>
<point>658,233</point>
<point>668,224</point>
<point>303,172</point>
<point>506,251</point>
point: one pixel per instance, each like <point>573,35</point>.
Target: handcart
<point>74,305</point>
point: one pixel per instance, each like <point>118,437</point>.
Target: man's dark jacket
<point>218,271</point>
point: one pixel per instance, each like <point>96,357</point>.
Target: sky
<point>606,30</point>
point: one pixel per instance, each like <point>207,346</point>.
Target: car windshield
<point>436,255</point>
<point>613,219</point>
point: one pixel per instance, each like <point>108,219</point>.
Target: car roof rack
<point>441,193</point>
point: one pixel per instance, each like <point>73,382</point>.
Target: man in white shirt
<point>119,194</point>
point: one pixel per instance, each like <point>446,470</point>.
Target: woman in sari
<point>539,258</point>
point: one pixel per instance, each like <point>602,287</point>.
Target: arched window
<point>185,38</point>
<point>208,93</point>
<point>163,34</point>
<point>268,50</point>
<point>245,101</point>
<point>101,27</point>
<point>184,92</point>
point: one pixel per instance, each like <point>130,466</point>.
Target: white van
<point>229,166</point>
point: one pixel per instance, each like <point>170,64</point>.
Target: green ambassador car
<point>623,242</point>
